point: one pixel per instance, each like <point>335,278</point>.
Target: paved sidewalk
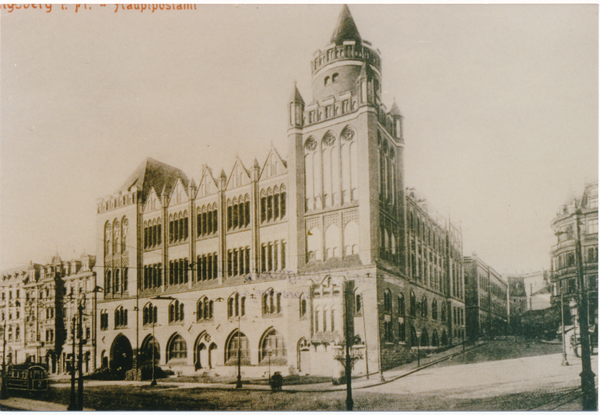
<point>22,404</point>
<point>357,383</point>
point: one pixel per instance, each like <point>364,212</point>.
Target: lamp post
<point>565,362</point>
<point>269,352</point>
<point>588,383</point>
<point>238,384</point>
<point>4,390</point>
<point>418,349</point>
<point>72,400</point>
<point>153,383</point>
<point>80,308</point>
<point>96,290</point>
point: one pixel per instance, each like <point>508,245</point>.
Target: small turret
<point>296,106</point>
<point>397,117</point>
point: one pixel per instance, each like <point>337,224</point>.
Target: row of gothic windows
<point>208,267</point>
<point>236,306</point>
<point>115,236</point>
<point>150,314</point>
<point>272,256</point>
<point>178,271</point>
<point>152,276</point>
<point>176,312</point>
<point>152,235</point>
<point>331,170</point>
<point>120,317</point>
<point>316,251</point>
<point>207,221</point>
<point>113,283</point>
<point>271,302</point>
<point>272,204</point>
<point>321,319</point>
<point>205,309</point>
<point>238,213</point>
<point>238,261</point>
<point>178,227</point>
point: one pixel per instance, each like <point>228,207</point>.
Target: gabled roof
<point>152,173</point>
<point>346,28</point>
<point>273,153</point>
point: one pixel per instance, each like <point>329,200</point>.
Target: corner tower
<point>347,151</point>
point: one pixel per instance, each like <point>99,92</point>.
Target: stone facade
<point>486,300</point>
<point>583,208</point>
<point>255,260</point>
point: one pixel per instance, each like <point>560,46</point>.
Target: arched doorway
<point>201,356</point>
<point>237,344</point>
<point>303,351</point>
<point>146,353</point>
<point>121,356</point>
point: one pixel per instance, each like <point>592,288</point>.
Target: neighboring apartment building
<point>583,209</point>
<point>486,300</point>
<point>39,303</point>
<point>255,260</point>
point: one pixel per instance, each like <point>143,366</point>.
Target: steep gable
<point>274,165</point>
<point>239,176</point>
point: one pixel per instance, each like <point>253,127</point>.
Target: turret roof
<point>296,97</point>
<point>346,28</point>
<point>395,110</point>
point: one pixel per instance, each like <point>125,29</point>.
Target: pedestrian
<point>276,382</point>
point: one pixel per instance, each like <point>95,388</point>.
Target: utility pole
<point>4,390</point>
<point>588,384</point>
<point>365,334</point>
<point>73,400</point>
<point>238,384</point>
<point>349,339</point>
<point>80,357</point>
<point>565,362</point>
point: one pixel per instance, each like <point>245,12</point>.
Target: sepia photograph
<point>308,207</point>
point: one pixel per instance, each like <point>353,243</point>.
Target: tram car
<point>29,378</point>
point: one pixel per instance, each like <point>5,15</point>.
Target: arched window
<point>107,238</point>
<point>274,345</point>
<point>271,302</point>
<point>413,337</point>
<point>401,307</point>
<point>434,310</point>
<point>150,314</point>
<point>358,303</point>
<point>120,317</point>
<point>424,306</point>
<point>302,305</point>
<point>177,348</point>
<point>238,343</point>
<point>387,301</point>
<point>176,312</point>
<point>413,304</point>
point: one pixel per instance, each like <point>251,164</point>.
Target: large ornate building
<point>256,259</point>
<point>487,300</point>
<point>38,304</point>
<point>583,211</point>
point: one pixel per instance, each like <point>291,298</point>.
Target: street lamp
<point>419,349</point>
<point>269,352</point>
<point>96,290</point>
<point>565,362</point>
<point>588,383</point>
<point>4,390</point>
<point>238,384</point>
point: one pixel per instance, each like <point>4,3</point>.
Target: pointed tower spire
<point>346,28</point>
<point>296,97</point>
<point>296,108</point>
<point>395,110</point>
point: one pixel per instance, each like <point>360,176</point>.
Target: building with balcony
<point>578,217</point>
<point>254,261</point>
<point>486,300</point>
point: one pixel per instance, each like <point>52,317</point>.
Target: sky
<point>500,106</point>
